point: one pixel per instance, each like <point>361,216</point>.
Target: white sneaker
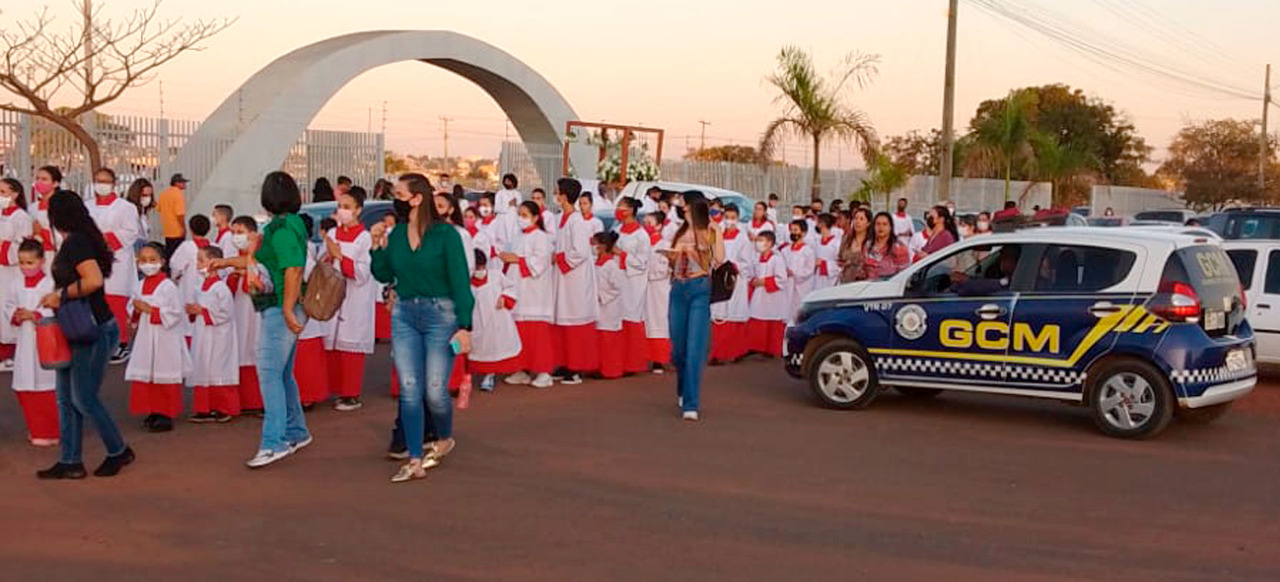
<point>572,380</point>
<point>543,381</point>
<point>302,444</point>
<point>266,457</point>
<point>680,402</point>
<point>520,378</point>
<point>690,415</point>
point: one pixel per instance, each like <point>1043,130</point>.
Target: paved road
<point>603,482</point>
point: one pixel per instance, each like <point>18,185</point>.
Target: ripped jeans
<point>421,329</point>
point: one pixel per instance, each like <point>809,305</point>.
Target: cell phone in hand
<point>456,346</point>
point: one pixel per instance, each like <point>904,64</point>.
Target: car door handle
<point>990,311</point>
<point>1104,308</point>
<point>1263,306</point>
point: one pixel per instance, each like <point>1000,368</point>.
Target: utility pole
<point>702,141</point>
<point>1263,156</point>
<point>446,121</point>
<point>948,108</point>
<point>87,41</point>
<point>161,99</point>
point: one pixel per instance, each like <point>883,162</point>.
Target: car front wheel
<point>841,375</point>
<point>1130,399</point>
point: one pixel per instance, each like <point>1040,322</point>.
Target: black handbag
<point>723,280</point>
<point>76,319</point>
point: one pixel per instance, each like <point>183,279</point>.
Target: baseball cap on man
<point>177,179</point>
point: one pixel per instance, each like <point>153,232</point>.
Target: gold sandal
<point>410,471</point>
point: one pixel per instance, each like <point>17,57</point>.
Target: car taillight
<point>1176,301</point>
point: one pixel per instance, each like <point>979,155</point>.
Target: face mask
<point>240,241</point>
<point>678,202</point>
<point>145,201</point>
<point>346,216</point>
<point>486,211</point>
<point>469,222</point>
<point>402,209</point>
<point>5,201</point>
<point>796,237</point>
<point>202,272</point>
<point>103,189</point>
<point>526,223</point>
<point>983,225</point>
<point>966,232</point>
<point>797,217</point>
<point>762,245</point>
<point>149,269</point>
<point>619,215</point>
<point>715,213</point>
<point>31,271</point>
<point>931,222</point>
<point>480,273</point>
<point>43,188</point>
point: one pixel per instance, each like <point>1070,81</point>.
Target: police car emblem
<point>911,322</point>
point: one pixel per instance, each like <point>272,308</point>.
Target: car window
<point>1161,216</point>
<point>1254,227</point>
<point>1271,286</point>
<point>1244,260</point>
<point>1079,268</point>
<point>980,270</point>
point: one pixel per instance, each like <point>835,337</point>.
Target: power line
<point>1104,51</point>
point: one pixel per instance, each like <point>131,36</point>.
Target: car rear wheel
<point>841,375</point>
<point>1130,399</point>
<point>1204,415</point>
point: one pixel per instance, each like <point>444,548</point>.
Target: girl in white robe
<point>160,361</point>
<point>769,302</point>
<point>495,339</point>
<point>610,281</point>
<point>15,225</point>
<point>117,218</point>
<point>351,339</point>
<point>801,263</point>
<point>529,263</point>
<point>634,253</point>
<point>729,318</point>
<point>657,295</point>
<point>33,385</point>
<point>215,374</point>
<point>827,252</point>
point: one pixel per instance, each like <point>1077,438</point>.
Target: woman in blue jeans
<point>79,270</point>
<point>282,251</point>
<point>696,250</point>
<point>424,257</point>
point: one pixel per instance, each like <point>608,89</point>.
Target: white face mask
<point>240,241</point>
<point>526,222</point>
<point>202,272</point>
<point>149,269</point>
<point>145,201</point>
<point>480,273</point>
<point>103,189</point>
<point>345,216</point>
<point>983,225</point>
<point>485,211</point>
<point>5,201</point>
<point>762,245</point>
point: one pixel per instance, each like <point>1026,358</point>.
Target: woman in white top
<point>696,250</point>
<point>141,195</point>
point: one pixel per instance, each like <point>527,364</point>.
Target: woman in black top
<point>79,269</point>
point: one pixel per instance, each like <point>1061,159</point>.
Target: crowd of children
<point>557,297</point>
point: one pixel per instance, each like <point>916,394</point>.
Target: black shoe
<point>150,421</point>
<point>111,466</point>
<point>161,424</point>
<point>308,407</point>
<point>222,417</point>
<point>121,356</point>
<point>63,471</point>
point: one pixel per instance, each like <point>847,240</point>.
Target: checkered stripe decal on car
<point>1037,374</point>
<point>1217,375</point>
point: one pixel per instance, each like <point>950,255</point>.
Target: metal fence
<point>144,147</point>
<point>792,184</point>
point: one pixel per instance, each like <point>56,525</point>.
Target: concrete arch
<point>251,132</point>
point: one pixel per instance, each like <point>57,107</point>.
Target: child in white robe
<point>159,361</point>
<point>33,385</point>
<point>215,373</point>
<point>769,301</point>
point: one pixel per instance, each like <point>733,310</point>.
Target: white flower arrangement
<point>640,166</point>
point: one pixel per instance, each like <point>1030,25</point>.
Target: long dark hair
<point>280,194</point>
<point>697,213</point>
<point>68,215</point>
<point>871,238</point>
<point>20,198</point>
<point>134,194</point>
<point>948,221</point>
<point>323,190</point>
<point>455,209</point>
<point>418,185</point>
<point>533,209</point>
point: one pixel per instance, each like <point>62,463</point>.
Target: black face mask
<point>402,209</point>
<point>796,237</point>
<point>680,212</point>
<point>931,222</point>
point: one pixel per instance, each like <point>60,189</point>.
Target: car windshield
<point>1160,216</point>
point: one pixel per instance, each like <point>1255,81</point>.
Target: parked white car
<point>1258,264</point>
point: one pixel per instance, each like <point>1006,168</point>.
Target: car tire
<point>918,393</point>
<point>1130,399</point>
<point>1204,415</point>
<point>842,375</point>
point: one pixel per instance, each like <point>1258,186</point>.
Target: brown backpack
<point>324,292</point>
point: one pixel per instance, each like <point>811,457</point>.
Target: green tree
<point>1215,163</point>
<point>817,108</point>
<point>1002,142</point>
<point>919,153</point>
<point>884,177</point>
<point>1088,123</point>
<point>393,163</point>
<point>1067,167</point>
<point>729,153</point>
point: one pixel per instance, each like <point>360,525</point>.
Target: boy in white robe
<point>159,361</point>
<point>215,372</point>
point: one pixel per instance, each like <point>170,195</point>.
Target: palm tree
<point>1063,164</point>
<point>885,177</point>
<point>1004,139</point>
<point>815,106</point>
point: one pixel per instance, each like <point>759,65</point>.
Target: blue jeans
<point>77,389</point>
<point>421,329</point>
<point>282,421</point>
<point>689,321</point>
